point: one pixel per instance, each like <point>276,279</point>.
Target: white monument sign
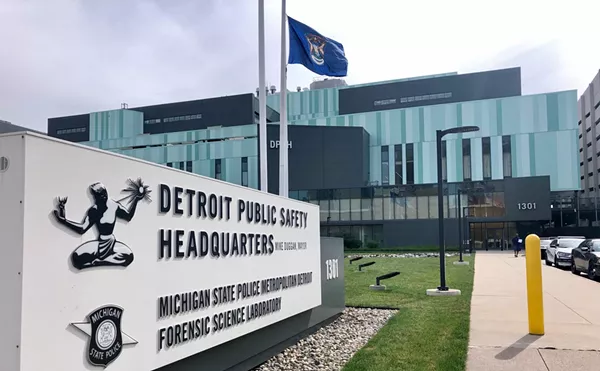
<point>114,262</point>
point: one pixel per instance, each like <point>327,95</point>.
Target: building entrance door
<point>495,239</point>
<point>491,236</point>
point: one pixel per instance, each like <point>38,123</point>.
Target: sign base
<point>449,292</point>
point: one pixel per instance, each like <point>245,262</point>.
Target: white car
<point>544,243</point>
<point>559,251</point>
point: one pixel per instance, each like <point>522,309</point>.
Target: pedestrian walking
<point>517,244</point>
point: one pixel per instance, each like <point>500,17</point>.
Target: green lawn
<point>428,333</point>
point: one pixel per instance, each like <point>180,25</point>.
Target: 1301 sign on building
<point>332,269</point>
<point>526,206</point>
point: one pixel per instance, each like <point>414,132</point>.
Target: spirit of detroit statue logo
<point>317,48</point>
<point>105,250</point>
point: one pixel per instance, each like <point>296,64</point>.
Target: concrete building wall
<point>589,138</point>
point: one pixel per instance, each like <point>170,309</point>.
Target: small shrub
<point>372,245</point>
<point>352,243</point>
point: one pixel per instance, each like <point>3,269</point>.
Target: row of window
<point>218,173</point>
<point>425,97</point>
<point>174,119</point>
<point>364,233</point>
<point>71,131</point>
<point>470,188</point>
<point>384,102</point>
<point>487,205</point>
<point>245,171</point>
<point>181,165</point>
<point>399,162</point>
<point>415,98</point>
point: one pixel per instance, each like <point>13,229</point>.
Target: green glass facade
<point>228,153</point>
<point>541,129</point>
<point>520,136</point>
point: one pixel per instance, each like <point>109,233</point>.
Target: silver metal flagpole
<point>283,134</point>
<point>262,97</point>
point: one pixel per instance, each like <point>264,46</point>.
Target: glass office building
<point>366,153</point>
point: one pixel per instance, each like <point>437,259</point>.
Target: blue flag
<point>316,52</point>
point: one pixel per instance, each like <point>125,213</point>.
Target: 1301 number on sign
<point>332,269</point>
<point>527,206</point>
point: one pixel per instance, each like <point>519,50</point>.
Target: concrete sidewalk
<point>499,337</point>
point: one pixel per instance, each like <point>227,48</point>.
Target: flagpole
<point>283,134</point>
<point>262,97</point>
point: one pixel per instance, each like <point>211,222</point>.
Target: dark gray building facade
<point>228,111</point>
<point>320,157</point>
<point>431,91</point>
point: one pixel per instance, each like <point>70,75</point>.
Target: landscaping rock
<point>331,346</point>
<point>406,255</point>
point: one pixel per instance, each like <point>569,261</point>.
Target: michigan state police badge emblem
<point>106,339</point>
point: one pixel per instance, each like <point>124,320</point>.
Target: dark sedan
<point>585,258</point>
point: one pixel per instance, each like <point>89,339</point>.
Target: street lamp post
<point>465,215</point>
<point>439,135</point>
<point>460,227</point>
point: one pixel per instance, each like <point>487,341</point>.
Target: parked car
<point>585,258</point>
<point>544,243</point>
<point>559,251</point>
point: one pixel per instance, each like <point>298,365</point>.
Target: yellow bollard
<point>535,298</point>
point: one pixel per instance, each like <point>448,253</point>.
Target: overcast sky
<point>65,57</point>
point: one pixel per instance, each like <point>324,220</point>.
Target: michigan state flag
<point>316,52</point>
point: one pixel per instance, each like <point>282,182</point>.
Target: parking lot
<point>499,312</point>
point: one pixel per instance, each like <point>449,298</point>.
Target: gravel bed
<point>406,255</point>
<point>331,346</point>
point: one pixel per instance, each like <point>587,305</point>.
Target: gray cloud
<point>66,57</point>
<point>543,68</point>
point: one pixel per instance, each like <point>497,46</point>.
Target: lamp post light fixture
<point>466,215</point>
<point>439,134</point>
<point>361,266</point>
<point>355,259</point>
<point>378,286</point>
<point>461,242</point>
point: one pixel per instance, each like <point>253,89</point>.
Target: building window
<point>506,156</point>
<point>245,171</point>
<point>385,165</point>
<point>176,118</point>
<point>466,145</point>
<point>181,165</point>
<point>218,174</point>
<point>419,98</point>
<point>487,159</point>
<point>398,163</point>
<point>444,163</point>
<point>384,102</point>
<point>71,131</point>
<point>169,164</point>
<point>410,164</point>
<point>188,166</point>
<point>152,121</point>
